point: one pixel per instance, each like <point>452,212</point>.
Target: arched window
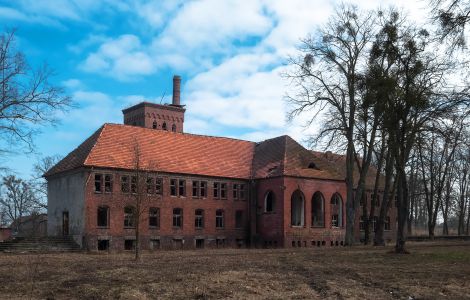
<point>219,218</point>
<point>318,210</point>
<point>173,128</point>
<point>199,219</point>
<point>129,216</point>
<point>297,208</point>
<point>336,211</point>
<point>164,126</point>
<point>154,125</point>
<point>269,202</point>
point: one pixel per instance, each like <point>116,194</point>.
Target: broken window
<point>216,189</point>
<point>129,244</point>
<point>154,217</point>
<point>103,245</point>
<point>158,186</point>
<point>98,182</point>
<point>182,188</point>
<point>199,189</point>
<point>336,210</point>
<point>219,218</point>
<point>173,188</point>
<point>125,184</point>
<point>223,191</point>
<point>199,243</point>
<point>269,202</point>
<point>154,244</point>
<point>199,219</point>
<point>196,189</point>
<point>387,223</point>
<point>154,125</point>
<point>334,221</point>
<point>103,216</point>
<point>297,208</point>
<point>318,210</point>
<point>108,183</point>
<point>242,192</point>
<point>235,191</point>
<point>164,126</point>
<point>173,128</point>
<point>203,189</point>
<point>177,217</point>
<point>129,217</point>
<point>134,184</point>
<point>150,185</point>
<point>239,219</point>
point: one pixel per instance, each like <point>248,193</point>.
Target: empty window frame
<point>318,210</point>
<point>177,217</point>
<point>177,187</point>
<point>129,244</point>
<point>173,187</point>
<point>164,126</point>
<point>154,125</point>
<point>199,189</point>
<point>269,202</point>
<point>134,184</point>
<point>235,191</point>
<point>173,128</point>
<point>199,219</point>
<point>297,208</point>
<point>129,217</point>
<point>103,245</point>
<point>241,191</point>
<point>223,190</point>
<point>216,190</point>
<point>159,186</point>
<point>182,188</point>
<point>108,183</point>
<point>103,216</point>
<point>98,183</point>
<point>219,219</point>
<point>336,210</point>
<point>154,217</point>
<point>125,185</point>
<point>239,220</point>
<point>150,185</point>
<point>199,243</point>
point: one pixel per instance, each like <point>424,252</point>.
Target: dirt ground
<point>431,271</point>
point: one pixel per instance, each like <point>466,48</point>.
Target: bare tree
<point>326,75</point>
<point>27,97</point>
<point>38,183</point>
<point>453,17</point>
<point>16,198</point>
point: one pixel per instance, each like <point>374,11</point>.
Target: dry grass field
<point>431,271</point>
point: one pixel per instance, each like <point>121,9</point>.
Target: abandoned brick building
<point>201,191</point>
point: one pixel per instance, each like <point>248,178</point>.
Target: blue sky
<point>110,55</point>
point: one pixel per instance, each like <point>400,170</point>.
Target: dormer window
<point>173,128</point>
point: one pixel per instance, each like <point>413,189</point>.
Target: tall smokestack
<point>176,90</point>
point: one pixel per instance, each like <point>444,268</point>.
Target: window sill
<point>154,227</point>
<point>174,227</point>
<point>127,227</point>
<point>317,226</point>
<point>269,213</point>
<point>102,227</point>
<point>297,226</point>
<point>219,228</point>
<point>199,228</point>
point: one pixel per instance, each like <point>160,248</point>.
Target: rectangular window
<point>239,219</point>
<point>334,220</point>
<point>173,187</point>
<point>125,184</point>
<point>199,243</point>
<point>129,244</point>
<point>223,191</point>
<point>158,186</point>
<point>242,192</point>
<point>235,191</point>
<point>177,217</point>
<point>199,219</point>
<point>103,216</point>
<point>216,190</point>
<point>98,182</point>
<point>182,188</point>
<point>129,217</point>
<point>134,184</point>
<point>103,245</point>
<point>196,189</point>
<point>154,217</point>
<point>150,185</point>
<point>108,183</point>
<point>154,244</point>
<point>362,226</point>
<point>203,191</point>
<point>219,219</point>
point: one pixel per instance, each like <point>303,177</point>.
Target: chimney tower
<point>176,90</point>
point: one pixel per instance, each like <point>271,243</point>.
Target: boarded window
<point>199,219</point>
<point>219,218</point>
<point>177,217</point>
<point>154,217</point>
<point>103,216</point>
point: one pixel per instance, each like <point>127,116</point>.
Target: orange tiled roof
<point>113,146</point>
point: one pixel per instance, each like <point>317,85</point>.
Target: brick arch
<point>297,208</point>
<point>269,201</point>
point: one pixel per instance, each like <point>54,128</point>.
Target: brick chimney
<point>176,90</point>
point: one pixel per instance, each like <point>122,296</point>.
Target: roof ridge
<point>181,133</point>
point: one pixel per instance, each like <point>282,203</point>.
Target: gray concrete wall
<point>66,193</point>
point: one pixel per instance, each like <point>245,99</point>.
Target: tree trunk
<point>350,206</point>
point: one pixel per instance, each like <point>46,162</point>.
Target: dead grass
<point>431,271</point>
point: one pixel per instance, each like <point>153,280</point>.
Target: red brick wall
<point>145,116</point>
<point>116,201</point>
